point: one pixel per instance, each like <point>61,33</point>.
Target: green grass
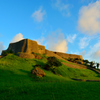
<point>77,73</point>
<point>17,83</point>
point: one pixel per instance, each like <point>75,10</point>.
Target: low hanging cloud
<point>1,47</point>
<point>17,38</point>
<point>62,7</point>
<point>71,38</point>
<point>57,42</point>
<point>38,15</point>
<point>89,18</point>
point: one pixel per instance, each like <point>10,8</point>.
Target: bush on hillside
<point>44,56</point>
<point>5,53</point>
<point>75,60</point>
<point>86,61</point>
<point>52,63</point>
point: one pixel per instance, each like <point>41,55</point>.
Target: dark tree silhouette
<point>97,65</point>
<point>86,61</point>
<point>91,64</point>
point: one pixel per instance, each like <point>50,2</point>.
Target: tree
<point>86,61</point>
<point>97,65</point>
<point>91,64</point>
<point>53,61</point>
<point>52,64</point>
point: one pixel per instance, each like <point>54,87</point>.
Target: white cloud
<point>71,38</point>
<point>17,38</point>
<point>61,46</point>
<point>40,41</point>
<point>62,7</point>
<point>97,54</point>
<point>1,47</point>
<point>84,42</point>
<point>94,50</point>
<point>89,18</point>
<point>57,42</point>
<point>38,15</point>
<point>94,53</point>
<point>77,53</point>
<point>83,53</point>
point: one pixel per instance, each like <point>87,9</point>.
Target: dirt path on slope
<point>74,65</point>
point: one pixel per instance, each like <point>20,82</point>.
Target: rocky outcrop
<point>38,72</point>
<point>0,56</point>
<point>26,55</point>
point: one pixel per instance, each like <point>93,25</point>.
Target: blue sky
<point>70,26</point>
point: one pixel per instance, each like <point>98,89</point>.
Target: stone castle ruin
<point>26,47</point>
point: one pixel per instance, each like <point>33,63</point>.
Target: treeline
<point>91,64</point>
<point>85,62</point>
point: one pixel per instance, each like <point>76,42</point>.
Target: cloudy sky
<point>69,26</point>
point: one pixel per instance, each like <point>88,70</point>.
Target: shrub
<point>47,67</point>
<point>44,56</point>
<point>53,61</point>
<point>36,53</point>
<point>86,61</point>
<point>52,64</point>
<point>5,53</point>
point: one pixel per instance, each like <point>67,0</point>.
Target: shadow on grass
<point>5,72</point>
<point>39,62</point>
<point>31,76</point>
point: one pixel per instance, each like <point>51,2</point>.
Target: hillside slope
<point>22,66</point>
<point>17,83</point>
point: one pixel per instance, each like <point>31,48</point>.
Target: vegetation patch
<point>16,79</point>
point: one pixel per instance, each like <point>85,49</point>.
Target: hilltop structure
<point>26,47</point>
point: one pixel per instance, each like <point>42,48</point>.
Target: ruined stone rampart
<point>26,46</point>
<point>41,49</point>
<point>51,53</point>
<point>64,55</point>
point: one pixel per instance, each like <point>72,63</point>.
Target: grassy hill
<point>17,83</point>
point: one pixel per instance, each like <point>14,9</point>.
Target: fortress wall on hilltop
<point>26,46</point>
<point>41,49</point>
<point>32,46</point>
<point>17,47</point>
<point>64,55</point>
<point>51,53</point>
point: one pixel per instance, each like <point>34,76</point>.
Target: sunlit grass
<point>17,83</point>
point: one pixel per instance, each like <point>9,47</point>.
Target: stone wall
<point>32,46</point>
<point>64,55</point>
<point>51,53</point>
<point>26,46</point>
<point>41,49</point>
<point>18,46</point>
